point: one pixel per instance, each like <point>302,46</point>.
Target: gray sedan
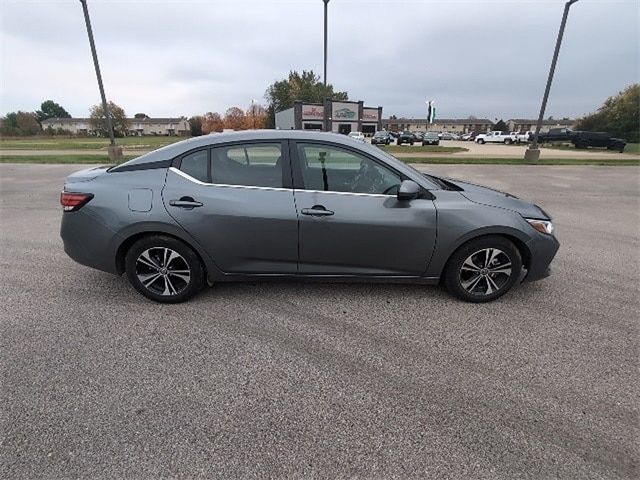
<point>305,205</point>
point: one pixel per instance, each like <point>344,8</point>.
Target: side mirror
<point>408,190</point>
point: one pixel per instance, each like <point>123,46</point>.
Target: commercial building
<point>331,116</point>
<point>137,126</point>
<point>453,125</point>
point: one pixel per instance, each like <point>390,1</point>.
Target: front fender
<point>460,221</point>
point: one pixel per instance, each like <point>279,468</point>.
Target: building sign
<point>345,111</point>
<point>370,115</point>
<point>312,112</point>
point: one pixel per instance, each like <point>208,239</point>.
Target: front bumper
<point>543,249</point>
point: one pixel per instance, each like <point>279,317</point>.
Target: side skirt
<point>277,277</point>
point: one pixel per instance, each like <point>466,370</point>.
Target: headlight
<point>543,226</point>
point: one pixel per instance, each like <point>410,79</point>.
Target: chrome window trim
<point>206,184</point>
<point>253,187</point>
<point>357,194</point>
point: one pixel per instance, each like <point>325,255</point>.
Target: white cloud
<point>486,58</point>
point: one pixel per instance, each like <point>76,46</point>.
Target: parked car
<point>524,137</point>
<point>357,136</point>
<point>418,136</point>
<point>496,137</point>
<point>466,137</point>
<point>448,136</point>
<point>406,137</point>
<point>381,138</point>
<point>582,139</point>
<point>251,205</point>
<point>430,138</point>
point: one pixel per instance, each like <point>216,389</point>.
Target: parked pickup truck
<point>583,139</point>
<point>496,137</point>
<point>524,137</point>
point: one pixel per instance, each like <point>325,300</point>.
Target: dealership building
<point>331,116</point>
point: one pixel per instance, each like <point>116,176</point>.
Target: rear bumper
<point>543,249</point>
<point>88,241</point>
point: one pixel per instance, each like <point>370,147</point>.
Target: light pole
<point>326,3</point>
<point>114,152</point>
<point>253,113</point>
<point>532,154</point>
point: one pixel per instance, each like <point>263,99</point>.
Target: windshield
<point>431,134</point>
<point>380,134</point>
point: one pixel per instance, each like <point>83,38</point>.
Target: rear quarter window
<point>196,165</point>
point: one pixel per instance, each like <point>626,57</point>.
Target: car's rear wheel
<point>481,141</point>
<point>483,269</point>
<point>507,141</point>
<point>164,269</point>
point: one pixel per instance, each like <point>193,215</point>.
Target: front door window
<point>334,169</point>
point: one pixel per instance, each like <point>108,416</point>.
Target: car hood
<point>496,198</point>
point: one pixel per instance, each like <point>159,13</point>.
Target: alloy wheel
<point>163,271</point>
<point>485,272</point>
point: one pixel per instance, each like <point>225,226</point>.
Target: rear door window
<point>255,165</point>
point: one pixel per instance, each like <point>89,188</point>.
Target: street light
<point>532,154</point>
<point>253,112</point>
<point>114,152</point>
<point>326,2</point>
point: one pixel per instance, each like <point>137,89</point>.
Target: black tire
<point>616,146</point>
<point>508,141</point>
<point>411,143</point>
<point>176,287</point>
<point>481,141</point>
<point>437,143</point>
<point>581,144</point>
<point>457,273</point>
<point>398,142</point>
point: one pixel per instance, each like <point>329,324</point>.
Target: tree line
<point>618,115</point>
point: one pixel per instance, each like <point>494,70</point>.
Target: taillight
<point>72,202</point>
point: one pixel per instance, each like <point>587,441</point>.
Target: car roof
<point>175,149</point>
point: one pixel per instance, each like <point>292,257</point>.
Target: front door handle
<point>317,211</point>
<point>185,202</point>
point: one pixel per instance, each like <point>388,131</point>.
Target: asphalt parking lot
<point>325,380</point>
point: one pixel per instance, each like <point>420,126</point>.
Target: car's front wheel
<point>164,269</point>
<point>483,269</point>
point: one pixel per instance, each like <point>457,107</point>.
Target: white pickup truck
<point>496,137</point>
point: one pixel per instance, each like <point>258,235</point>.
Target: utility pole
<point>115,153</point>
<point>532,154</point>
<point>253,113</point>
<point>326,3</point>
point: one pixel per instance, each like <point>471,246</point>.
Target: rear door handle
<point>185,202</point>
<point>317,211</point>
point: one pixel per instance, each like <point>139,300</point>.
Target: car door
<point>351,222</point>
<point>237,202</point>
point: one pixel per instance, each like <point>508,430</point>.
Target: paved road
<point>474,150</point>
<point>69,151</point>
<point>517,151</point>
<point>317,380</point>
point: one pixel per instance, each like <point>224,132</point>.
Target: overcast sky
<point>169,58</point>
